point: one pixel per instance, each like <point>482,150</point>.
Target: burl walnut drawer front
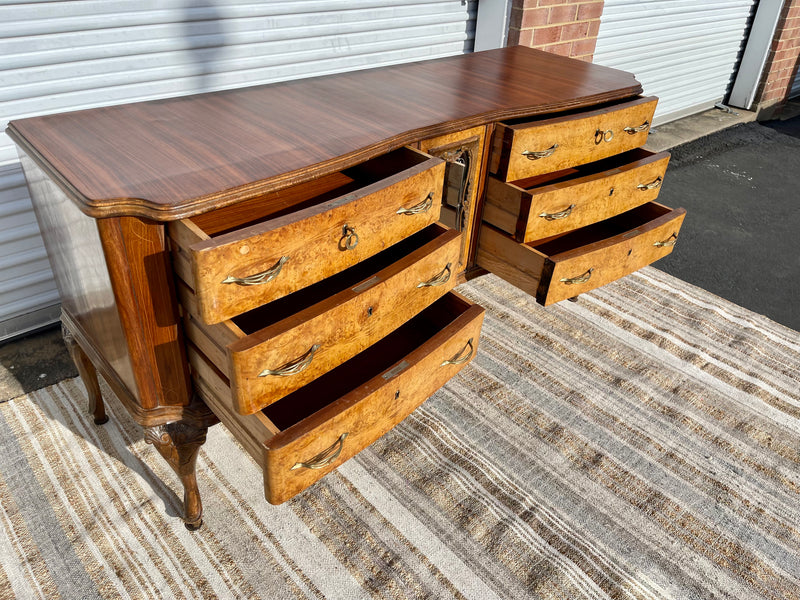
<point>582,260</point>
<point>525,149</point>
<point>240,257</point>
<point>271,351</point>
<point>313,430</point>
<point>573,198</point>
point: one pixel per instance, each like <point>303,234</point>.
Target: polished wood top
<point>171,158</point>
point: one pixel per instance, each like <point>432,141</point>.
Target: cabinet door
<point>464,153</point>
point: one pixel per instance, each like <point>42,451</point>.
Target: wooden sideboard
<point>281,258</point>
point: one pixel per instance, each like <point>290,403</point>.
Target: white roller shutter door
<point>59,56</point>
<point>683,51</point>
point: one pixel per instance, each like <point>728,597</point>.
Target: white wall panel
<point>28,295</point>
<point>683,51</point>
<point>60,56</point>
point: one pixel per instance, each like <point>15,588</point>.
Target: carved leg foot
<point>88,375</point>
<point>179,444</point>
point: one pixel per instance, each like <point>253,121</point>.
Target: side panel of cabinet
<point>115,280</point>
<point>76,258</point>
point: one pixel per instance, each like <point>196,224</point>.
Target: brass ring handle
<point>458,359</point>
<point>652,185</point>
<point>422,207</point>
<point>632,130</point>
<point>579,279</point>
<point>603,136</point>
<point>558,215</point>
<point>670,241</point>
<point>439,279</point>
<point>259,278</point>
<point>349,237</point>
<point>324,458</point>
<point>293,367</point>
<point>535,155</point>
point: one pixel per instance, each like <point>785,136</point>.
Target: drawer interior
<point>620,224</point>
<point>277,310</point>
<point>308,194</point>
<point>618,161</point>
<point>354,373</point>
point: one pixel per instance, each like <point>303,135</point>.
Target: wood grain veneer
<point>363,398</point>
<point>610,249</point>
<point>138,263</point>
<point>573,140</point>
<point>311,241</point>
<point>342,315</point>
<point>587,195</point>
<point>173,158</point>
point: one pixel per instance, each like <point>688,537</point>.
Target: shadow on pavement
<point>790,127</point>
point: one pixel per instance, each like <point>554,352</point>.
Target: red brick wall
<point>783,59</point>
<point>566,27</point>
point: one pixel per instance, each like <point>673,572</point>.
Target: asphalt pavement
<point>741,236</point>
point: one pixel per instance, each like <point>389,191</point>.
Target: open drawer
<point>273,350</point>
<point>564,266</point>
<point>313,430</point>
<point>544,206</point>
<point>526,148</point>
<point>239,257</point>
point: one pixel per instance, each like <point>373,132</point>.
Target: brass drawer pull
<point>633,130</point>
<point>650,186</point>
<point>349,238</point>
<point>670,241</point>
<point>579,279</point>
<point>293,367</point>
<point>458,359</point>
<point>534,155</point>
<point>438,279</point>
<point>259,278</point>
<point>558,215</point>
<point>324,458</point>
<point>422,207</point>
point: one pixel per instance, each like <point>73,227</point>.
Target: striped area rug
<point>643,442</point>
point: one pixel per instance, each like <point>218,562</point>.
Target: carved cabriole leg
<point>179,444</point>
<point>88,375</point>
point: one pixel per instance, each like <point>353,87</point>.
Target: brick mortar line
<point>549,25</point>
